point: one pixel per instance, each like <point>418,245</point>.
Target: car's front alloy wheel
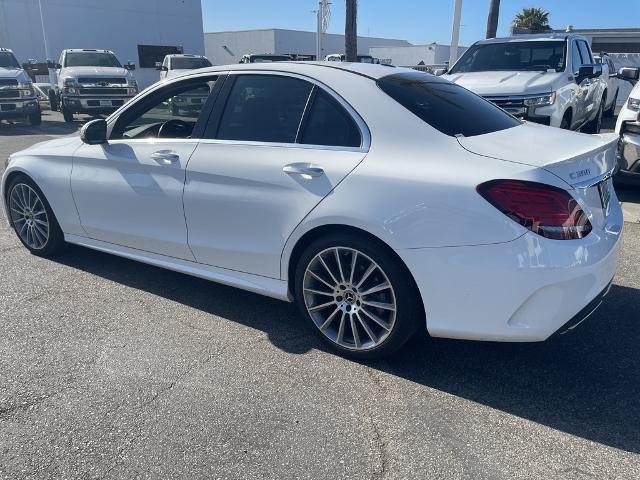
<point>358,299</point>
<point>32,218</point>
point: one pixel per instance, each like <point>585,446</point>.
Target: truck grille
<point>9,93</point>
<point>103,91</point>
<point>513,105</point>
<point>8,83</point>
<point>102,81</point>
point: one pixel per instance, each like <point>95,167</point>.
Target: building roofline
<point>303,31</point>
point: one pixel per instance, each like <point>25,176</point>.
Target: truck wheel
<point>68,116</point>
<point>565,123</point>
<point>594,125</point>
<point>35,119</point>
<point>609,113</point>
<point>53,100</point>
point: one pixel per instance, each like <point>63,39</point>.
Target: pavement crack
<point>381,470</point>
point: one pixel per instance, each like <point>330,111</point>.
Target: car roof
<point>99,50</point>
<point>189,55</point>
<point>373,71</point>
<point>539,37</point>
<point>2,49</point>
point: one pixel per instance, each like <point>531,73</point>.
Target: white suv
<point>550,79</point>
<point>628,126</point>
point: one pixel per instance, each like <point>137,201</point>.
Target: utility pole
<point>44,33</point>
<point>319,32</point>
<point>351,31</point>
<point>455,32</point>
<point>492,18</point>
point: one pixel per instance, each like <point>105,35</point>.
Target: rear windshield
<point>91,59</point>
<point>513,56</point>
<point>446,106</point>
<point>268,58</point>
<point>187,63</point>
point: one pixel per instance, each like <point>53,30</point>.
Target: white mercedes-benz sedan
<point>381,200</point>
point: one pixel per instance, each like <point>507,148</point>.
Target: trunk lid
<point>585,162</point>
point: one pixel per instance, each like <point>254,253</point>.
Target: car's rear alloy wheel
<point>29,216</point>
<point>32,218</point>
<point>351,296</point>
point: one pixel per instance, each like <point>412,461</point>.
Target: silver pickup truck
<point>17,96</point>
<point>91,81</point>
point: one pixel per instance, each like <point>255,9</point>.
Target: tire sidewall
<point>409,315</point>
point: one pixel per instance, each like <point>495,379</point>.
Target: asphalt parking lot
<point>114,369</point>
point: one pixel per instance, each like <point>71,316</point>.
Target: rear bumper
<point>18,109</point>
<point>521,291</point>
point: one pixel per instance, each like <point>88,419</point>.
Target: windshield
<point>446,106</point>
<point>365,59</point>
<point>189,63</point>
<point>7,60</point>
<point>268,58</point>
<point>91,59</point>
<point>514,56</point>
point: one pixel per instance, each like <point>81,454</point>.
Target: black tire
<point>55,241</point>
<point>35,119</point>
<point>594,125</point>
<point>53,100</point>
<point>612,110</point>
<point>565,123</point>
<point>68,116</point>
<point>409,315</point>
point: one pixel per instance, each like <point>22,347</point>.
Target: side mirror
<point>630,74</point>
<point>53,65</point>
<point>164,68</point>
<point>94,132</point>
<point>130,66</point>
<point>589,71</point>
<point>439,71</point>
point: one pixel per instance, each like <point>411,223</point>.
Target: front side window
<point>170,113</point>
<point>585,53</point>
<point>7,60</point>
<point>445,106</point>
<point>328,123</point>
<point>91,59</point>
<point>509,56</point>
<point>264,108</point>
<point>576,58</point>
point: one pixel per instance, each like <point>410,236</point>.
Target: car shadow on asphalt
<point>585,383</point>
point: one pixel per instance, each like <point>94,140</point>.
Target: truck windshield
<point>189,63</point>
<point>7,60</point>
<point>268,58</point>
<point>514,56</point>
<point>91,59</point>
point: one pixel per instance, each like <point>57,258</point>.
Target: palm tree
<point>534,19</point>
<point>492,19</point>
<point>351,31</point>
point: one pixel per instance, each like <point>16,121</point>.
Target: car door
<point>593,85</point>
<point>581,89</point>
<point>274,148</point>
<point>129,191</point>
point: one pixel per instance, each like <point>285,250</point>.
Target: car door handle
<point>165,157</point>
<point>303,169</point>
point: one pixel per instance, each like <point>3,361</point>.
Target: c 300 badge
<point>580,174</point>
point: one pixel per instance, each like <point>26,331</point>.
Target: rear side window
<point>328,123</point>
<point>445,106</point>
<point>264,108</point>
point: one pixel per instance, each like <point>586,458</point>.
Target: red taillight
<point>546,210</point>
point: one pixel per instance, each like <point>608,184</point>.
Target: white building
<point>228,47</point>
<point>141,31</point>
<point>409,56</point>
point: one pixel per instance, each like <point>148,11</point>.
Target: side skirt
<point>269,287</point>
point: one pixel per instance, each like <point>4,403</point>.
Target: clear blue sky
<point>418,21</point>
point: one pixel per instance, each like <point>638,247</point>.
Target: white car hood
<point>572,156</point>
<point>94,71</point>
<point>626,114</point>
<point>506,83</point>
<point>17,73</point>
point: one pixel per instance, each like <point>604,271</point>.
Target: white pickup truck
<point>628,127</point>
<point>17,96</point>
<point>550,79</point>
<point>91,81</point>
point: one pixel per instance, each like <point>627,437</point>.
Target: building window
<point>148,55</point>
